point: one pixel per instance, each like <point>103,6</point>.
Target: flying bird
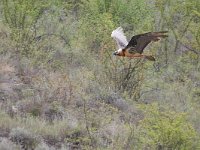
<point>135,47</point>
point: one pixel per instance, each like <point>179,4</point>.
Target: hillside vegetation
<point>61,87</point>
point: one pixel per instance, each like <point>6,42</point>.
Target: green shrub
<point>166,129</point>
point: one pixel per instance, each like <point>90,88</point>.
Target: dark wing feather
<point>139,42</point>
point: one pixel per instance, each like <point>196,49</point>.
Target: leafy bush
<point>166,129</point>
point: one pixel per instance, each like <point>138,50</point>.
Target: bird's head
<point>118,52</point>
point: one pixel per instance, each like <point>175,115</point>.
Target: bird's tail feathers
<point>161,34</point>
<point>158,35</point>
<point>151,58</point>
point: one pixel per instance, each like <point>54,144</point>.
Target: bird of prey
<point>134,48</point>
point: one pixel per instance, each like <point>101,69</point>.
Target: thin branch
<point>189,48</point>
<point>52,34</point>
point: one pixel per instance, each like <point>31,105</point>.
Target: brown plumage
<point>134,48</point>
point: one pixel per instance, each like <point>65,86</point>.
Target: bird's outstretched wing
<point>120,38</point>
<point>139,42</point>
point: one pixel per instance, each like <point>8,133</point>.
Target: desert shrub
<point>43,146</point>
<point>166,129</point>
<point>52,112</point>
<point>28,107</point>
<point>5,40</point>
<point>6,144</point>
<point>24,138</point>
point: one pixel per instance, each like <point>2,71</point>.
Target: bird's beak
<point>115,53</point>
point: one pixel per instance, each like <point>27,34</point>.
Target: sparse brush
<point>24,138</point>
<point>6,144</point>
<point>52,112</point>
<point>44,146</point>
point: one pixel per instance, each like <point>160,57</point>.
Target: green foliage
<point>166,129</point>
<point>21,16</point>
